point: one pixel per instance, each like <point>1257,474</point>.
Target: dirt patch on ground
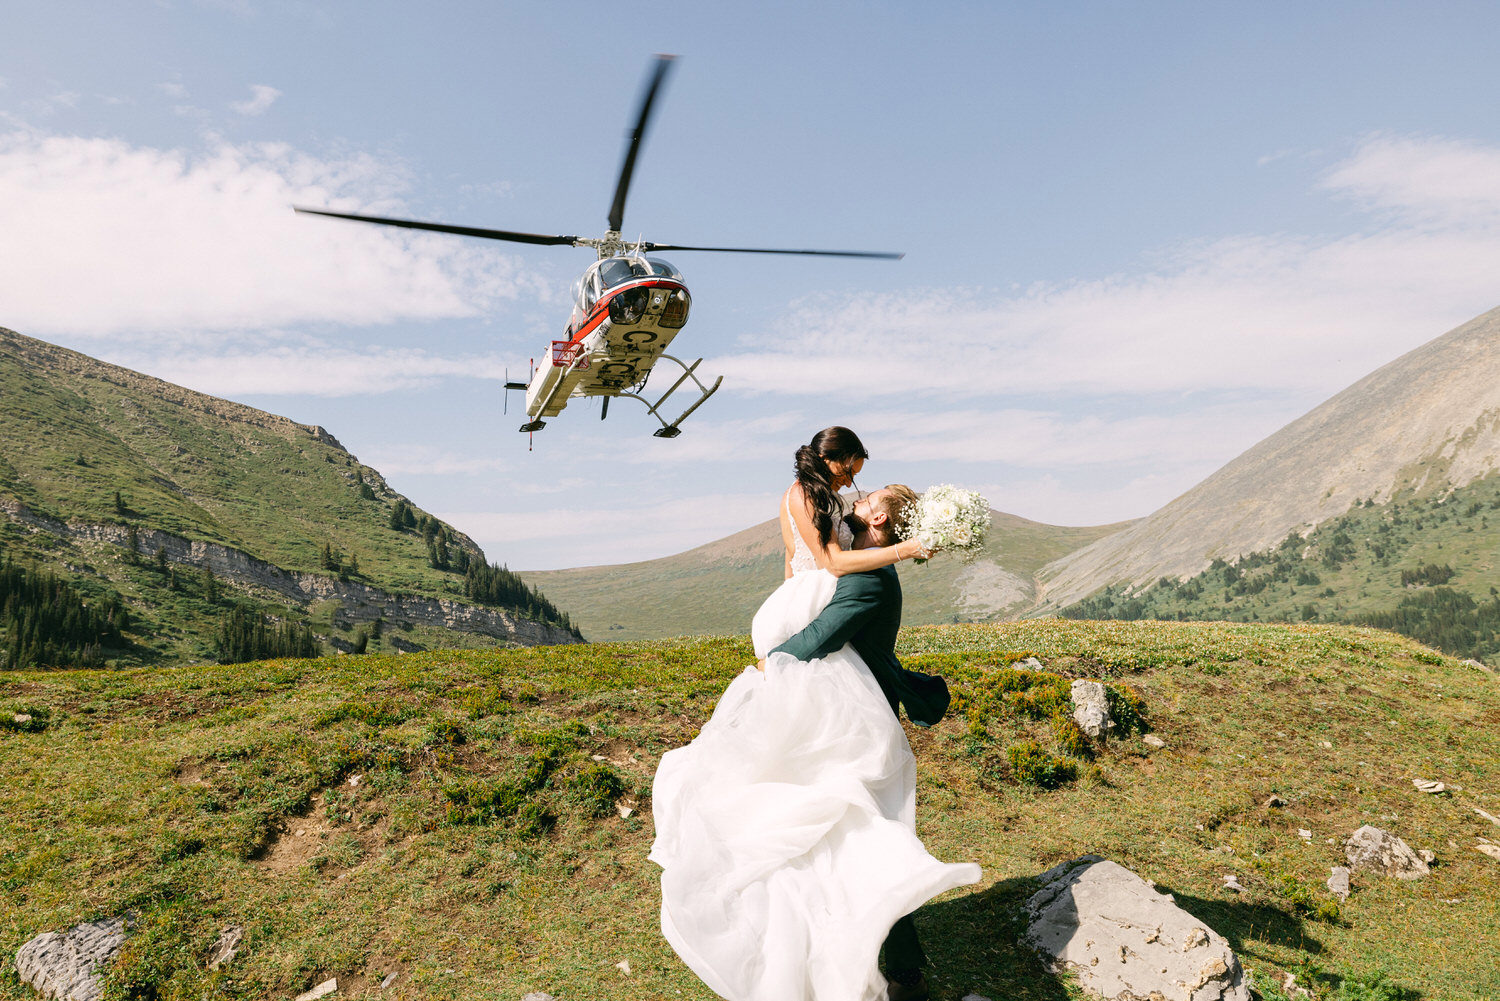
<point>193,773</point>
<point>330,845</point>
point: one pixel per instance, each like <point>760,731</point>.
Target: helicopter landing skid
<point>536,425</point>
<point>672,430</point>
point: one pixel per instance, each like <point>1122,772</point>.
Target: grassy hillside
<point>715,589</point>
<point>452,817</point>
<point>1427,564</point>
<point>91,444</point>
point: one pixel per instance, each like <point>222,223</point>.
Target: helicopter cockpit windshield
<point>612,271</point>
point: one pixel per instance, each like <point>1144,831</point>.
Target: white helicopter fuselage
<point>626,312</point>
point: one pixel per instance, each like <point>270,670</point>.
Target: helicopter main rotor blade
<point>437,227</point>
<point>881,255</point>
<point>617,207</point>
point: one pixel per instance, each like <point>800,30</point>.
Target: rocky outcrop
<point>358,602</point>
<point>1091,708</point>
<point>1371,848</point>
<point>1126,941</point>
<point>68,966</point>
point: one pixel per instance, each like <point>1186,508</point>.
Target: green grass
<point>178,794</point>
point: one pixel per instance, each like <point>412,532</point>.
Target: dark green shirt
<point>866,614</point>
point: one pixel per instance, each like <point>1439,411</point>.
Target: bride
<point>786,829</point>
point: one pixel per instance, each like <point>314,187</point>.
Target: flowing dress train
<point>786,830</point>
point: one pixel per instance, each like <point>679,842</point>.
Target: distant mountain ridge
<point>715,588</point>
<point>1427,422</point>
<point>128,484</point>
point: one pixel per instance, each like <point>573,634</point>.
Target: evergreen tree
<point>47,623</point>
<point>120,507</point>
<point>209,584</point>
<point>161,558</point>
<point>246,635</point>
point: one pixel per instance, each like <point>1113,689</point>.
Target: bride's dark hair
<point>835,444</point>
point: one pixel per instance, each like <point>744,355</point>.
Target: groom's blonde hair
<point>898,503</point>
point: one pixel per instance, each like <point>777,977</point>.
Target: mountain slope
<point>716,588</point>
<point>96,460</point>
<point>1427,422</point>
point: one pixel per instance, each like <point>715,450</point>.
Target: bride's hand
<point>912,549</point>
<point>760,665</point>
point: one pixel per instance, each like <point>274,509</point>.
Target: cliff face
<point>1428,421</point>
<point>91,453</point>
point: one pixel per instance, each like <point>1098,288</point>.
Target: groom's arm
<point>856,598</point>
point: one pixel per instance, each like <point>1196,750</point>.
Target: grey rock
<point>539,996</point>
<point>1091,708</point>
<point>67,966</point>
<point>226,947</point>
<point>1338,882</point>
<point>327,987</point>
<point>1371,848</point>
<point>1123,939</point>
<point>1154,740</point>
<point>390,978</point>
<point>1480,664</point>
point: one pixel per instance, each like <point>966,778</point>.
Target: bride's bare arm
<point>786,540</point>
<point>843,561</point>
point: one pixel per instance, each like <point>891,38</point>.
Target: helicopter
<point>627,307</point>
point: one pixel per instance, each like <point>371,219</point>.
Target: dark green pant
<point>903,950</point>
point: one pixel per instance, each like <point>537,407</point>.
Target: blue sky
<point>1139,237</point>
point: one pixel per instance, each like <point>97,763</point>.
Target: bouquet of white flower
<point>945,517</point>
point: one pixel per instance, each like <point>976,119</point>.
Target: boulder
<point>67,966</point>
<point>1124,940</point>
<point>1338,882</point>
<point>1091,708</point>
<point>1371,848</point>
<point>226,947</point>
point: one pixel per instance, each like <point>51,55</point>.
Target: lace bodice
<point>802,557</point>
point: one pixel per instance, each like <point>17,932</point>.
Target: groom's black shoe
<point>907,985</point>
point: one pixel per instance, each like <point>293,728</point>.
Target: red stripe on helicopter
<point>601,307</point>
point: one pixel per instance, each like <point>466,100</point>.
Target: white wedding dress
<point>786,830</point>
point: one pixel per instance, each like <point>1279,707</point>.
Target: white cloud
<point>173,89</point>
<point>1429,181</point>
<point>1036,439</point>
<point>628,534</point>
<point>1260,312</point>
<point>261,98</point>
<point>106,238</point>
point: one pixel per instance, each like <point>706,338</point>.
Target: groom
<point>866,613</point>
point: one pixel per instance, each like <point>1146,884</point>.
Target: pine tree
<point>120,508</point>
<point>161,558</point>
